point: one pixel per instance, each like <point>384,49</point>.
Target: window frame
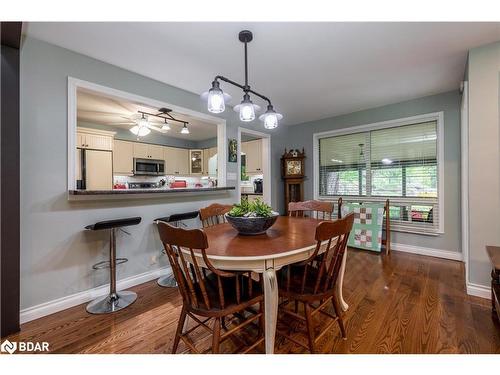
<point>435,116</point>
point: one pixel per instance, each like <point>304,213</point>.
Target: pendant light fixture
<point>217,99</point>
<point>185,129</point>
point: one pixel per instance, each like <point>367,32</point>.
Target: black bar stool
<point>176,220</point>
<point>115,300</point>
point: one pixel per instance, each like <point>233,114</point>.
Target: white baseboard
<point>479,290</point>
<point>50,307</point>
<point>445,254</point>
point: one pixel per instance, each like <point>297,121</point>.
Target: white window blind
<point>399,163</point>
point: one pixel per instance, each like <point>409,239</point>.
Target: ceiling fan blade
<point>99,113</point>
<point>157,129</point>
<point>128,107</point>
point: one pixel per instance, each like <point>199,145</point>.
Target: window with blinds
<point>399,163</point>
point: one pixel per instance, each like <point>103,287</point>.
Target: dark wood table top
<point>494,254</point>
<point>286,235</point>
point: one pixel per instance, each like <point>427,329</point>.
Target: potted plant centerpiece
<point>251,218</point>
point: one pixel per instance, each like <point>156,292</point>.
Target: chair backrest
<point>214,214</point>
<point>326,264</point>
<point>318,209</point>
<point>180,245</point>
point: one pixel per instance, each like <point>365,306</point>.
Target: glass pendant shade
<point>143,122</point>
<point>246,109</point>
<point>142,127</point>
<point>140,131</point>
<point>247,113</point>
<point>185,130</point>
<point>270,118</point>
<point>166,126</point>
<point>216,100</point>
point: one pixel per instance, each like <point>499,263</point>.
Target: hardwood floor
<point>400,303</point>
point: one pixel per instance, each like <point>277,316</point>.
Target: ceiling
<point>98,109</point>
<point>309,70</point>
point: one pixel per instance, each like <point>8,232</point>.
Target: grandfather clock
<point>292,171</point>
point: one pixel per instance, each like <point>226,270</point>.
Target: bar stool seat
<point>174,219</point>
<point>114,301</point>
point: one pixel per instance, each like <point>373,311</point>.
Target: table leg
<point>340,282</point>
<point>270,307</point>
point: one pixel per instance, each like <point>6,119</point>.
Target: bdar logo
<point>9,347</point>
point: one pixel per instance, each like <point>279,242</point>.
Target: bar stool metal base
<point>167,281</point>
<point>111,303</point>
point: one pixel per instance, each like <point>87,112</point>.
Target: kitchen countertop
<point>148,191</point>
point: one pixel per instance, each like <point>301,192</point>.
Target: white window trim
<point>74,84</point>
<point>436,116</point>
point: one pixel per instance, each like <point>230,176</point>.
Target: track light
<point>166,126</point>
<point>185,129</point>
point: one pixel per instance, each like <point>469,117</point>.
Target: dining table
<point>289,240</point>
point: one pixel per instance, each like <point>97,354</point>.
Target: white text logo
<point>24,346</point>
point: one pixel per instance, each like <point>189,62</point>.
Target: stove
<point>143,185</point>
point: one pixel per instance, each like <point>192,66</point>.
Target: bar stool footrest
<point>105,263</point>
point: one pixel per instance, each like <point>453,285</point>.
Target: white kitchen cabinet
<point>206,156</point>
<point>94,139</point>
<point>208,153</point>
<point>253,152</point>
<point>99,170</point>
<point>183,161</point>
<point>123,157</point>
<point>156,152</point>
<point>176,161</point>
<point>141,150</point>
<point>147,151</point>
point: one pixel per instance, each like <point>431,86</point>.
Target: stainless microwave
<point>149,167</point>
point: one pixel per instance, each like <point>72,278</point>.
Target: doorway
<point>254,165</point>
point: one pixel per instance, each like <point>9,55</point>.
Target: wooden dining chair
<point>312,282</point>
<point>312,208</point>
<point>220,294</point>
<point>214,214</point>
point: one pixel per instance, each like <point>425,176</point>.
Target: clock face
<point>293,167</point>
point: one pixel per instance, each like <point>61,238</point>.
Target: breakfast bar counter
<point>144,193</point>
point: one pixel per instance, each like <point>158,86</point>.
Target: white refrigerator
<point>94,169</point>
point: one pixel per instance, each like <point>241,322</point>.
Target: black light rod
<point>245,89</point>
<point>246,67</point>
<point>261,96</point>
<point>163,117</point>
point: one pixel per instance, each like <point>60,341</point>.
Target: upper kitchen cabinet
<point>253,152</point>
<point>209,153</point>
<point>123,157</point>
<point>94,139</point>
<point>176,161</point>
<point>205,160</point>
<point>195,161</point>
<point>156,152</point>
<point>148,151</point>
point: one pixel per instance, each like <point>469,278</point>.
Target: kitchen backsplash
<point>191,181</point>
